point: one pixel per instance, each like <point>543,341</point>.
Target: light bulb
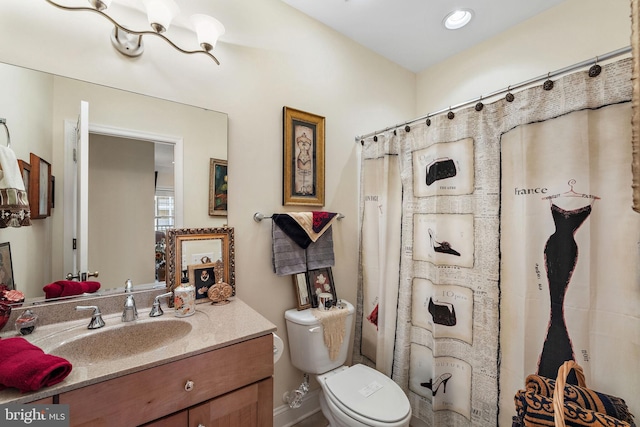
<point>160,13</point>
<point>208,29</point>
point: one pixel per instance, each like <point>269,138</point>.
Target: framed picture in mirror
<point>303,174</point>
<point>635,103</point>
<point>6,266</point>
<point>217,187</point>
<point>39,187</point>
<point>25,171</point>
<point>302,290</point>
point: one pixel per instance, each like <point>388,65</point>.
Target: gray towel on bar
<point>289,258</point>
<point>320,252</point>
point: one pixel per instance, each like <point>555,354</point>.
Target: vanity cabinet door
<point>246,407</point>
<point>151,394</point>
<point>180,419</point>
<point>45,401</point>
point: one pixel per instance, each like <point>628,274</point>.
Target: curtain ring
<point>375,138</point>
<point>595,69</point>
<point>450,114</point>
<point>428,121</point>
<point>548,85</point>
<point>509,96</point>
<point>479,105</point>
<point>407,128</point>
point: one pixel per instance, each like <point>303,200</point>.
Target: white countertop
<point>212,327</point>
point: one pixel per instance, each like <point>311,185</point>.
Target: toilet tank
<point>306,340</point>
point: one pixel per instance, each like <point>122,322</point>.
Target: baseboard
<point>284,416</point>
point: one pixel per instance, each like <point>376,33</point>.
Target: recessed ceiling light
<point>457,19</point>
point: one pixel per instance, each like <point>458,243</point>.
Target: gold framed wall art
<point>303,161</point>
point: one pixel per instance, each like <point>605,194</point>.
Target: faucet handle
<point>96,318</point>
<point>156,309</point>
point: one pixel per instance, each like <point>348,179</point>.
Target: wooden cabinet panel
<point>45,401</point>
<point>181,419</point>
<point>236,409</point>
<point>148,395</point>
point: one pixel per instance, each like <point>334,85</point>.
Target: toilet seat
<point>366,395</point>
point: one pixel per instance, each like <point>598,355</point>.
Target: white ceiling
<point>410,32</point>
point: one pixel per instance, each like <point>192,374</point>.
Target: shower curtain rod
<point>605,57</point>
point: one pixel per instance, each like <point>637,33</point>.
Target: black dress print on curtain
<point>561,255</point>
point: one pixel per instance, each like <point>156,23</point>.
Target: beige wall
<point>271,57</point>
<point>574,31</point>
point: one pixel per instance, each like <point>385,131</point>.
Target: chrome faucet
<point>156,309</point>
<point>96,318</point>
<point>130,312</point>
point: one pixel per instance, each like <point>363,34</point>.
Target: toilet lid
<point>369,394</point>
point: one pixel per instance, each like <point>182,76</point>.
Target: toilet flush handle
<point>315,329</point>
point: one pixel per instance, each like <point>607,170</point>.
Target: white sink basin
<point>112,342</point>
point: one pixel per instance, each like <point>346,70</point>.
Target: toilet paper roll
<point>278,347</point>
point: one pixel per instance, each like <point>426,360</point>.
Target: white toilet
<point>350,396</point>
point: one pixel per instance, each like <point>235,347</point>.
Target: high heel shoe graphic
<point>442,247</point>
<point>441,381</point>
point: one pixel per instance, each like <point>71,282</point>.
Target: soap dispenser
<point>184,298</point>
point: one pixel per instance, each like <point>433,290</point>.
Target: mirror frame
<point>175,238</point>
<point>635,120</point>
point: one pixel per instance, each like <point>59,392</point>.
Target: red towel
<point>67,288</point>
<point>27,368</point>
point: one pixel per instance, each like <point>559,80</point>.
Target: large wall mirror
<point>147,159</point>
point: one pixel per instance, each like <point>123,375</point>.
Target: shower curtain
<point>518,248</point>
<point>380,211</point>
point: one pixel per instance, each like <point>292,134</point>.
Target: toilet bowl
<point>360,396</point>
<point>356,396</point>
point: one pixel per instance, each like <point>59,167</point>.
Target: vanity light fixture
<point>160,13</point>
<point>457,19</point>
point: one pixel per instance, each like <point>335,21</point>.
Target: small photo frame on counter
<point>202,276</point>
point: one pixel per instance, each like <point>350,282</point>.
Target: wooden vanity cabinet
<point>225,387</point>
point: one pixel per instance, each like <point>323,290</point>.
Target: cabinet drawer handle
<point>201,425</point>
<point>189,386</point>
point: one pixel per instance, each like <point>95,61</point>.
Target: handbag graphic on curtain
<point>554,403</point>
<point>443,313</point>
<point>440,169</point>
